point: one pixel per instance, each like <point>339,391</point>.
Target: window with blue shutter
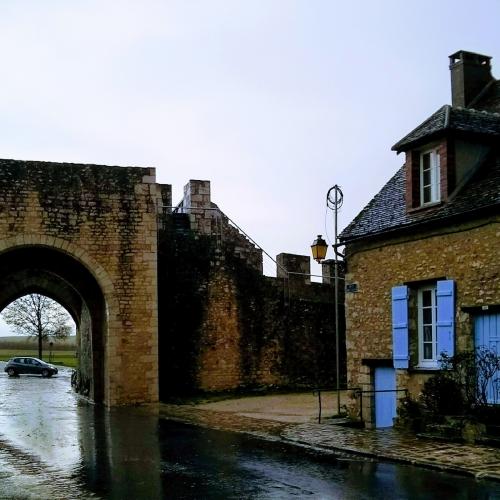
<point>426,319</point>
<point>445,320</point>
<point>400,326</point>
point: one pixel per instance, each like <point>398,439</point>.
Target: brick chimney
<point>470,73</point>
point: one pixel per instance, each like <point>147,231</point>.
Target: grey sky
<point>272,100</point>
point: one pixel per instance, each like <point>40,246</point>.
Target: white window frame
<point>435,176</point>
<point>430,362</point>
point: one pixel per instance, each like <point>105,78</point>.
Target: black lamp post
<point>334,200</point>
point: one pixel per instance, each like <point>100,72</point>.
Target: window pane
<point>426,177</point>
<point>427,351</point>
<point>435,177</point>
<point>426,298</point>
<point>427,324</point>
<point>428,333</point>
<point>426,161</point>
<point>436,160</point>
<point>427,194</point>
<point>427,316</point>
<point>429,177</point>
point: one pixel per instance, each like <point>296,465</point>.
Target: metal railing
<point>223,216</point>
<point>317,391</point>
<point>358,392</point>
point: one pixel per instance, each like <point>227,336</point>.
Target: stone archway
<point>94,228</point>
<point>38,269</point>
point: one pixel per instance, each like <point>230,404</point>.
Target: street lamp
<point>334,200</point>
<point>319,248</point>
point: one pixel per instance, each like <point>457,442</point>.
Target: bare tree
<point>38,317</point>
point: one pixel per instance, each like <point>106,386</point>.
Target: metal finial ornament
<point>334,197</point>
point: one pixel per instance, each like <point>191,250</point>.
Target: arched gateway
<point>86,236</point>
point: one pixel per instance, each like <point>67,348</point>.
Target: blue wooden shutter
<point>400,326</point>
<point>445,321</point>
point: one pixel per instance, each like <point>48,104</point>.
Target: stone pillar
<point>196,201</point>
<point>166,203</point>
<point>294,264</point>
<point>328,271</point>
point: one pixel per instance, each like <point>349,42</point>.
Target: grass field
<point>23,342</point>
<point>63,358</point>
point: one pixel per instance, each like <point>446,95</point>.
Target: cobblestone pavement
<point>327,437</point>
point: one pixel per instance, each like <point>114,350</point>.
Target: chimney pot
<point>470,73</point>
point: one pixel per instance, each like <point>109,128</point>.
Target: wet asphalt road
<point>55,446</point>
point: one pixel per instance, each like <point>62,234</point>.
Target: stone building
<point>433,232</point>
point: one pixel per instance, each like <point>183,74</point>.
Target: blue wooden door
<point>487,335</point>
<point>385,402</point>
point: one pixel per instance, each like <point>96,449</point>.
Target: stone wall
<point>94,229</point>
<point>467,253</point>
<point>225,326</point>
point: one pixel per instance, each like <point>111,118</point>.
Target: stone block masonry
<point>92,228</point>
<point>207,219</point>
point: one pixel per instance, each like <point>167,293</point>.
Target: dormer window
<point>430,174</point>
<point>430,191</point>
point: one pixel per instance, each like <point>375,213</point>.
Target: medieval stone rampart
<point>225,326</point>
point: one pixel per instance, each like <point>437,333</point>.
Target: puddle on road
<point>23,478</point>
<point>38,419</point>
<point>56,445</point>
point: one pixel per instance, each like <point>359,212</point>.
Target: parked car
<point>31,366</point>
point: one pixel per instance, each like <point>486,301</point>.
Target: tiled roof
<point>387,210</point>
<point>449,118</point>
<point>489,99</point>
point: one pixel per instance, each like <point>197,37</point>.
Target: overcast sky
<point>273,101</point>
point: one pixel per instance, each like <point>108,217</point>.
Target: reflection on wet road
<point>53,445</point>
<point>39,437</point>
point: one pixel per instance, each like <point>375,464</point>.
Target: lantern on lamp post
<point>334,200</point>
<point>319,249</point>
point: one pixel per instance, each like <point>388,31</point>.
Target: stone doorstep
<point>274,432</point>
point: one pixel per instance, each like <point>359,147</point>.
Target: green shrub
<point>441,395</point>
<point>410,415</point>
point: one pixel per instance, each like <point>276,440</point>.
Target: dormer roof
<point>387,212</point>
<point>448,118</point>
